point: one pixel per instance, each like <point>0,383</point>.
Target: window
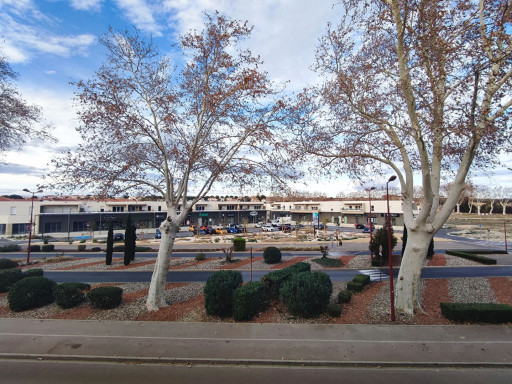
<point>79,226</point>
<point>117,209</point>
<point>257,207</point>
<point>52,227</point>
<point>2,229</point>
<point>19,228</point>
<point>297,207</point>
<point>314,208</point>
<point>230,207</point>
<point>13,210</point>
<point>149,208</point>
<point>200,208</point>
<point>159,208</point>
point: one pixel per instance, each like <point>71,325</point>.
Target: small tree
<point>110,244</point>
<point>380,242</point>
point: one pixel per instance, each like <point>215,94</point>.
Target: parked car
<point>259,224</point>
<point>209,230</point>
<point>118,237</point>
<point>287,227</point>
<point>359,225</point>
<point>268,228</point>
<point>231,230</point>
<point>319,226</point>
<point>220,231</point>
<point>367,229</point>
<point>192,228</point>
<point>158,234</point>
<point>199,231</point>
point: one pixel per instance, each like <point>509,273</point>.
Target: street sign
<point>253,213</point>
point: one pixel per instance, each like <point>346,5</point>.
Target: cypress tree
<point>128,243</point>
<point>133,239</point>
<point>110,244</point>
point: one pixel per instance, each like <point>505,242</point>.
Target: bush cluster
<point>81,247</point>
<point>48,248</point>
<point>274,280</point>
<point>118,248</point>
<point>358,283</point>
<point>10,248</point>
<point>69,295</point>
<point>306,294</point>
<point>219,291</point>
<point>334,310</point>
<point>344,296</point>
<point>31,292</point>
<point>248,301</point>
<point>8,263</point>
<point>33,273</point>
<point>477,312</point>
<point>200,256</point>
<point>11,276</point>
<point>95,249</point>
<point>105,297</point>
<point>272,255</point>
<point>239,244</point>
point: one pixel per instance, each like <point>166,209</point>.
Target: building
<point>76,215</point>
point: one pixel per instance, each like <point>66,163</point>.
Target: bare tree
<point>504,197</point>
<point>19,121</point>
<point>149,127</point>
<point>418,87</point>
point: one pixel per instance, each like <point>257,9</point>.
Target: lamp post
<point>370,219</point>
<point>31,221</point>
<point>390,255</point>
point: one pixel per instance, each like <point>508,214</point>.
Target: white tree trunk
<point>156,294</point>
<point>406,291</point>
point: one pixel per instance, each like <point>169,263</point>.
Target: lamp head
<point>26,190</point>
<point>392,178</point>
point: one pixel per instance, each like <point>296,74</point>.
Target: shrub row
<point>477,312</point>
<point>358,283</point>
<point>10,248</point>
<point>219,291</point>
<point>471,255</point>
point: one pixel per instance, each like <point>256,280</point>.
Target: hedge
<point>8,278</point>
<point>471,255</point>
<point>355,286</point>
<point>344,296</point>
<point>477,312</point>
<point>219,291</point>
<point>248,301</point>
<point>105,297</point>
<point>29,293</point>
<point>10,248</point>
<point>8,263</point>
<point>363,279</point>
<point>48,248</point>
<point>35,248</point>
<point>239,244</point>
<point>69,295</point>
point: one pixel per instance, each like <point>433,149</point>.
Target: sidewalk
<point>301,345</point>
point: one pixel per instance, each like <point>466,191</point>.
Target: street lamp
<point>31,221</point>
<point>390,255</point>
<point>505,229</point>
<point>370,219</point>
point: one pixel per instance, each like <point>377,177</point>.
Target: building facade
<point>72,216</point>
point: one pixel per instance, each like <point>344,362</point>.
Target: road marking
<point>375,274</point>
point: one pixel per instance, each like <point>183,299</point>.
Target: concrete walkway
<point>299,345</point>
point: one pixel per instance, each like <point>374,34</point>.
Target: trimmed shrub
<point>95,249</point>
<point>272,255</point>
<point>363,279</point>
<point>472,255</point>
<point>274,280</point>
<point>31,292</point>
<point>344,296</point>
<point>118,248</point>
<point>219,290</point>
<point>248,301</point>
<point>35,272</point>
<point>35,248</point>
<point>239,244</point>
<point>105,297</point>
<point>48,248</point>
<point>8,263</point>
<point>477,312</point>
<point>8,278</point>
<point>355,286</point>
<point>81,247</point>
<point>307,294</point>
<point>10,248</point>
<point>200,256</point>
<point>142,249</point>
<point>334,310</point>
<point>69,295</point>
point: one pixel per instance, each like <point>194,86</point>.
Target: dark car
<point>118,237</point>
<point>287,227</point>
<point>158,234</point>
<point>359,225</point>
<point>319,226</point>
<point>366,230</point>
<point>209,230</point>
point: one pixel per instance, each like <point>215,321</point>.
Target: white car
<point>268,228</point>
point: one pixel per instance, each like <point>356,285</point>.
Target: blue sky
<point>52,42</point>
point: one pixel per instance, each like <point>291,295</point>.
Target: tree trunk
<point>406,292</point>
<point>156,294</point>
<point>458,207</point>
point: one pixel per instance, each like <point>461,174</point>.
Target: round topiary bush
<point>344,296</point>
<point>105,297</point>
<point>219,290</point>
<point>306,294</point>
<point>31,292</point>
<point>69,295</point>
<point>272,255</point>
<point>334,310</point>
<point>8,263</point>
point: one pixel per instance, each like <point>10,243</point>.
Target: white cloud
<point>50,72</point>
<point>141,15</point>
<point>87,5</point>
